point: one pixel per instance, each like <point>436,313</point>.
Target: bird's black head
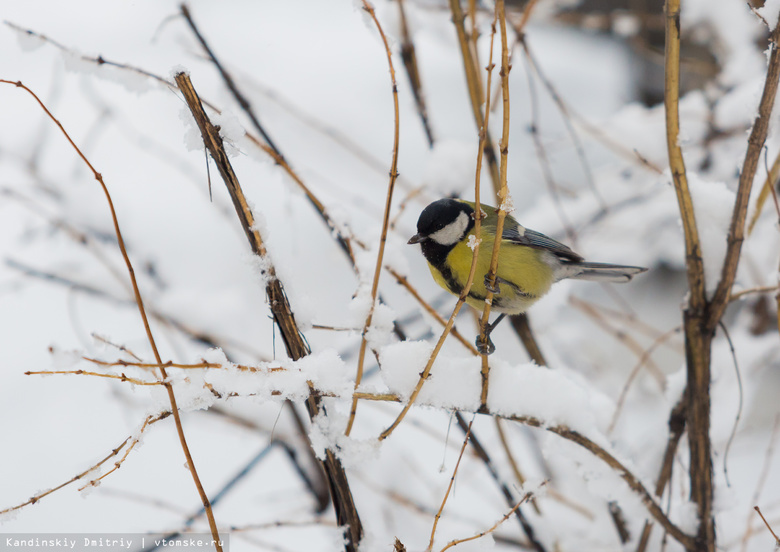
<point>441,225</point>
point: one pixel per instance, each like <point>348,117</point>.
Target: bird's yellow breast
<point>529,276</point>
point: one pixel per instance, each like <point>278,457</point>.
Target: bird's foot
<point>485,347</point>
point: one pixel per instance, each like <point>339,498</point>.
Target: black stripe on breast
<point>452,282</point>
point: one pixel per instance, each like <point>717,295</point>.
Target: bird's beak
<point>417,238</point>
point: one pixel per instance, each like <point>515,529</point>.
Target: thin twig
<point>769,527</point>
<point>495,526</point>
<point>482,453</point>
<point>437,517</point>
<point>504,202</point>
<point>120,377</point>
<point>385,219</point>
<point>149,421</point>
<point>142,311</point>
<point>472,271</point>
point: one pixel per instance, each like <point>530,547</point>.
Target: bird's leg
<point>486,347</point>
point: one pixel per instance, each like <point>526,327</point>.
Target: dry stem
<point>449,487</point>
<point>495,526</point>
<point>346,513</point>
<point>385,219</point>
<point>503,205</point>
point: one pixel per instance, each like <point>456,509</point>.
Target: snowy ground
<point>317,75</point>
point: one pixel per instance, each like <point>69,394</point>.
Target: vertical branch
<point>697,339</point>
<point>470,65</point>
<point>694,265</point>
<point>385,220</point>
<point>755,144</point>
<point>475,255</point>
<point>341,495</point>
<point>502,196</point>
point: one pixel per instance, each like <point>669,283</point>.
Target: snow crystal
<point>262,265</point>
<point>688,517</point>
<point>770,12</point>
<point>507,205</point>
<point>8,516</point>
<point>193,140</point>
<point>230,130</point>
<point>178,70</point>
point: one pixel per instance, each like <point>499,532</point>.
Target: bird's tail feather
<point>602,272</point>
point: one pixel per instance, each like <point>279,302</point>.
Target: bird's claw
<point>485,347</point>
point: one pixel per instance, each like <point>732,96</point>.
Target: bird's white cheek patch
<point>453,232</point>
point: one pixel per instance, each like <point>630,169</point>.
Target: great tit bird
<point>529,262</point>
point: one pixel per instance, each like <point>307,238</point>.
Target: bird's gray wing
<point>516,233</point>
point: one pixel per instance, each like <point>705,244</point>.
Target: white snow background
<point>316,74</point>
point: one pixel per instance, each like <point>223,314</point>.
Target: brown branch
<point>504,204</point>
<point>483,455</point>
<point>470,65</point>
<point>142,311</point>
<point>694,265</point>
<point>455,542</point>
<point>346,513</point>
<point>769,527</point>
<point>698,339</point>
<point>385,219</point>
<point>756,142</point>
<point>120,377</point>
<point>633,482</point>
<point>437,517</point>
